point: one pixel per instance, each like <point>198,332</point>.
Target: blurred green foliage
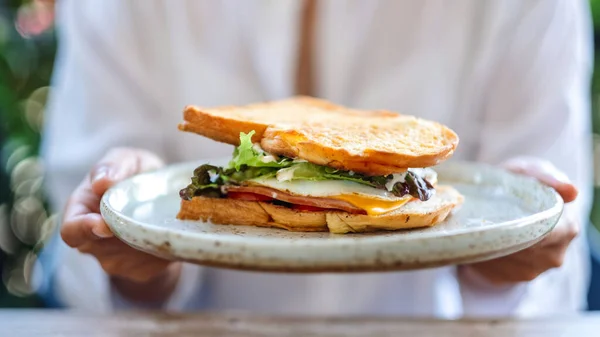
<point>27,49</point>
<point>595,97</point>
<point>595,9</point>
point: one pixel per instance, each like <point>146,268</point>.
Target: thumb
<point>546,173</point>
<point>119,164</point>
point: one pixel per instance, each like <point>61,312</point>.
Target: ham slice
<point>298,200</point>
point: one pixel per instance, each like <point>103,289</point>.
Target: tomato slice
<point>248,196</point>
<point>307,208</point>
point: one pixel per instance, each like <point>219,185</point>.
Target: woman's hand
<point>137,275</point>
<point>549,253</point>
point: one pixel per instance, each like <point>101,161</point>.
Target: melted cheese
<point>371,205</point>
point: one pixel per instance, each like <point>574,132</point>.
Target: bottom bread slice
<point>252,213</point>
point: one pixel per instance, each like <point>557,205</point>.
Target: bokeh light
<point>8,241</point>
<point>26,178</point>
<point>34,108</point>
<point>34,18</point>
<point>27,49</point>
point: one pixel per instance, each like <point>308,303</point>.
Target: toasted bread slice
<point>370,142</point>
<point>225,123</point>
<point>251,213</point>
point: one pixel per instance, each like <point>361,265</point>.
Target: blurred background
<point>27,49</point>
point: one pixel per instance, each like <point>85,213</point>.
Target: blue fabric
<point>49,259</point>
<point>594,292</point>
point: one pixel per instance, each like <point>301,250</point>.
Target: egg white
<point>323,188</point>
<point>331,188</point>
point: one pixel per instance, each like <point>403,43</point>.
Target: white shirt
<point>510,77</point>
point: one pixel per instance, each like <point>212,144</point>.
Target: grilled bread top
<point>371,142</point>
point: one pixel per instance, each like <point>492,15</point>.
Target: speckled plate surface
<point>502,213</point>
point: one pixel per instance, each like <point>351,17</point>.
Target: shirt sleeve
<point>106,94</point>
<point>536,104</point>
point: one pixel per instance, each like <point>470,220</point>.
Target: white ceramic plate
<point>502,213</point>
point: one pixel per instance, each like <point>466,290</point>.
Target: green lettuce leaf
<point>310,171</point>
<point>249,155</point>
<point>208,179</point>
<point>250,162</point>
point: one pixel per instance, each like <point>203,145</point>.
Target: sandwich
<point>305,164</point>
